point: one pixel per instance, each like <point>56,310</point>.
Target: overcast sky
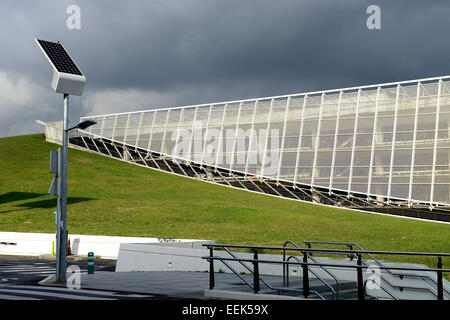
<point>139,55</point>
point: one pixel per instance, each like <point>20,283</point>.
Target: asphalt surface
<point>20,277</point>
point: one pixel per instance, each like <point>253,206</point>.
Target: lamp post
<point>67,79</point>
<point>61,254</point>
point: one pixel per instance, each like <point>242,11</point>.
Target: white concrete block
<point>19,243</point>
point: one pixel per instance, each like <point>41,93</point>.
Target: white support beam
<point>413,152</point>
<point>317,145</point>
<point>272,188</point>
<point>190,153</point>
<point>126,129</point>
<point>336,131</point>
<point>114,128</point>
<point>138,131</point>
<point>103,125</point>
<point>206,136</point>
<point>220,144</point>
<point>283,138</point>
<point>177,162</point>
<point>225,179</point>
<point>155,113</point>
<point>113,137</point>
<point>374,140</point>
<point>355,131</point>
<point>289,191</point>
<point>150,140</point>
<point>163,158</point>
<point>394,138</point>
<point>117,150</point>
<point>93,141</point>
<point>175,148</point>
<point>305,98</point>
<point>436,137</point>
<point>266,141</point>
<point>235,136</point>
<point>251,138</point>
<point>189,164</point>
<point>107,150</point>
<point>86,145</point>
<point>164,133</point>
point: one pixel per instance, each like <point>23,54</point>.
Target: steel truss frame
<point>274,187</point>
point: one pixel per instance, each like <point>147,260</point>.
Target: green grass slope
<point>110,197</point>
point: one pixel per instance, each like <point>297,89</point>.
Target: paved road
<point>19,279</point>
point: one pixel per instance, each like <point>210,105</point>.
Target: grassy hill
<point>110,197</point>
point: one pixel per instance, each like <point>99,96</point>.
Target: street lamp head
<point>86,124</point>
<point>83,125</point>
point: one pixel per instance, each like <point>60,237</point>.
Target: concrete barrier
<point>150,257</point>
<point>183,257</point>
<point>17,243</point>
<point>53,132</point>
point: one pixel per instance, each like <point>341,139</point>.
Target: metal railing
<point>351,257</point>
<point>305,264</point>
<point>379,263</point>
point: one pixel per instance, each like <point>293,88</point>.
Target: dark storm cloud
<point>161,53</point>
<point>275,46</point>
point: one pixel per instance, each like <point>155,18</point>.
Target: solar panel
<point>59,57</point>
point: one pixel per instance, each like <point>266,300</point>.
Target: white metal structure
<point>381,147</point>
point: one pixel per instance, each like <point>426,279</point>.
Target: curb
<point>49,281</point>
<point>238,295</point>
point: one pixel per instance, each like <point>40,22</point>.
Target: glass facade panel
<point>132,128</point>
<point>120,127</point>
<point>145,129</point>
<point>158,130</point>
<point>97,128</point>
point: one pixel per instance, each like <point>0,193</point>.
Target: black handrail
<point>405,253</point>
<point>323,264</point>
<point>246,267</point>
<point>390,294</point>
<point>359,267</point>
<point>351,256</point>
<point>318,277</point>
<point>351,244</point>
<point>286,270</point>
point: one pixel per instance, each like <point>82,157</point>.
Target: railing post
<point>440,289</point>
<point>360,278</point>
<point>255,272</point>
<point>309,247</point>
<point>351,255</point>
<point>211,268</point>
<point>287,275</point>
<point>284,267</point>
<point>305,276</point>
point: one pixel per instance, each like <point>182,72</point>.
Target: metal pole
<point>440,290</point>
<point>62,252</point>
<point>360,280</point>
<point>211,269</point>
<point>284,267</point>
<point>305,276</point>
<point>256,286</point>
<point>58,212</point>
